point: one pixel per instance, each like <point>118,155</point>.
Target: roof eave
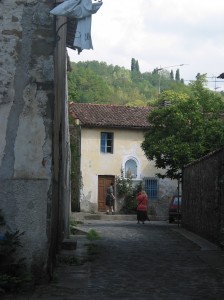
<point>115,126</point>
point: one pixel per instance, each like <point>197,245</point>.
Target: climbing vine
<point>124,186</point>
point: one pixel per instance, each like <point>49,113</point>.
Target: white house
<point>110,143</point>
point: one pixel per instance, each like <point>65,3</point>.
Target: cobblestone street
<point>156,261</point>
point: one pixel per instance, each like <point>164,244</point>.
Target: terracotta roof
<point>102,115</point>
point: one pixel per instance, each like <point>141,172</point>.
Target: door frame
<point>103,182</point>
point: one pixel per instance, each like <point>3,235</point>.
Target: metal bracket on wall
<point>57,35</point>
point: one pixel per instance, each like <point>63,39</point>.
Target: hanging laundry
<point>81,10</point>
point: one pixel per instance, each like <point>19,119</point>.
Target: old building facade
<point>110,146</point>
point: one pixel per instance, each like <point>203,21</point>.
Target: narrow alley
<point>156,261</point>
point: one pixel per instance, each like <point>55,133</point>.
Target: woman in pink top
<point>142,201</point>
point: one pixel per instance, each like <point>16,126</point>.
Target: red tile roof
<point>103,115</point>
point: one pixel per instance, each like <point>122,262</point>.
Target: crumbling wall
<point>27,41</point>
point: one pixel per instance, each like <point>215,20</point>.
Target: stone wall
<point>28,196</point>
<point>203,197</point>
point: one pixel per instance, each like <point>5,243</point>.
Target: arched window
<point>131,168</point>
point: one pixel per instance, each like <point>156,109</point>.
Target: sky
<point>160,34</point>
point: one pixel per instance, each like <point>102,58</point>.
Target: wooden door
<point>103,182</point>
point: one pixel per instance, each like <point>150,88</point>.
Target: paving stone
<point>156,261</point>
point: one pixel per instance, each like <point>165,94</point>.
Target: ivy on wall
<point>75,132</point>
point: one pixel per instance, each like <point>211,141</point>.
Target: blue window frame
<point>106,142</point>
<point>151,185</point>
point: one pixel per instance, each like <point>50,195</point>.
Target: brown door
<point>103,183</point>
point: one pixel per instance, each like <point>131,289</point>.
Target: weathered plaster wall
<point>26,211</point>
<point>26,101</point>
<point>127,144</point>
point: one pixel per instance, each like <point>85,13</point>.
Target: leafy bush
<point>124,185</point>
<point>12,269</point>
<point>129,206</point>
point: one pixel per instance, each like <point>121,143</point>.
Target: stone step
<point>82,216</point>
<point>74,249</point>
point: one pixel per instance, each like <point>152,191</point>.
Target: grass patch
<point>72,226</point>
<point>73,223</point>
<point>93,235</point>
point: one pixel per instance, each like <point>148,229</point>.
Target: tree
<point>171,75</point>
<point>137,66</point>
<point>134,65</point>
<point>173,97</point>
<point>135,73</point>
<point>177,76</point>
<point>84,84</point>
<point>186,130</point>
<point>97,82</point>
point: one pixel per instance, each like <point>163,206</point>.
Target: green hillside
<point>97,82</point>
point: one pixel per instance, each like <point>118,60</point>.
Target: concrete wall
<point>31,120</point>
<point>203,197</point>
<point>127,145</point>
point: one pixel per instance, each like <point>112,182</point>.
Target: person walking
<point>110,198</point>
<point>142,201</point>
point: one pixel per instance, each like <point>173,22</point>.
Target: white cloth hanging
<point>81,10</point>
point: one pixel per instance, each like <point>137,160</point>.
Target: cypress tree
<point>136,66</point>
<point>132,64</point>
<point>177,76</point>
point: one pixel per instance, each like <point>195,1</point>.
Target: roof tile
<point>104,115</point>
